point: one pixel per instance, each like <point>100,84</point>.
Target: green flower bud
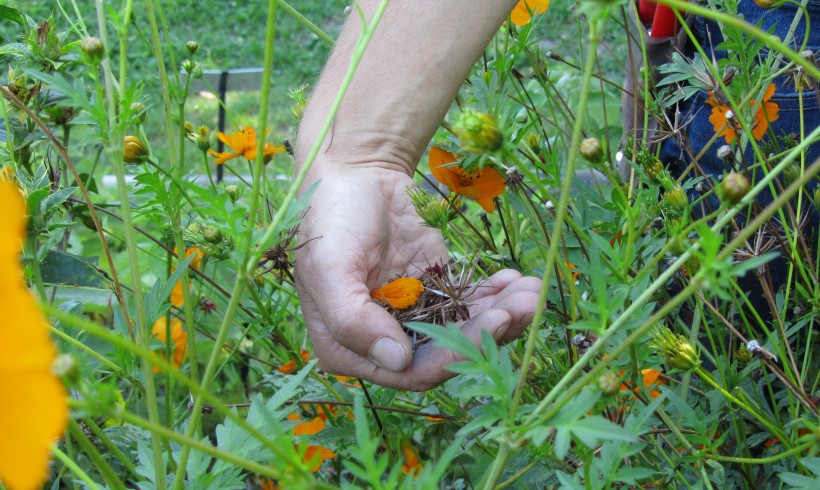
<point>654,169</point>
<point>734,187</point>
<point>233,191</point>
<point>478,131</point>
<point>675,349</point>
<point>134,150</point>
<point>592,150</point>
<point>139,112</point>
<point>192,47</point>
<point>609,383</point>
<point>66,367</point>
<point>93,47</point>
<point>434,213</point>
<point>212,234</point>
<point>791,173</point>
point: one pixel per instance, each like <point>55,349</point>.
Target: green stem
<point>71,465</point>
<point>108,474</point>
<point>115,369</point>
<point>768,460</point>
<point>305,22</point>
<point>110,446</point>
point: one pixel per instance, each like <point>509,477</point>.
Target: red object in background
<point>665,24</point>
<point>646,11</point>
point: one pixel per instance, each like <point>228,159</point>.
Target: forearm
<point>418,58</point>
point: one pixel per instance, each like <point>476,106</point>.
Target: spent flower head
<point>675,349</point>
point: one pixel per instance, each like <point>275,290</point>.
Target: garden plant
<point>152,333</point>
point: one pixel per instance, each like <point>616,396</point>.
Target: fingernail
<point>389,354</point>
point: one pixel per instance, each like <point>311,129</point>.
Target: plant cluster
<point>675,346</point>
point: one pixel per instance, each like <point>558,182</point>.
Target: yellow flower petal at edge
<point>179,337</point>
<point>520,14</point>
<point>34,408</point>
<point>400,293</point>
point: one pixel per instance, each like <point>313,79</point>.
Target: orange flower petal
<point>399,293</point>
<point>411,465</point>
<point>291,365</point>
<point>318,454</point>
<point>520,15</point>
<point>34,411</point>
<point>484,185</point>
<point>440,167</point>
<point>179,337</point>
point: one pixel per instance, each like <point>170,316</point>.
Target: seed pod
<point>592,150</point>
<point>134,150</point>
<point>676,198</point>
<point>734,187</point>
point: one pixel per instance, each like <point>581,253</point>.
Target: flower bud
<point>134,150</point>
<point>233,191</point>
<point>676,198</point>
<point>734,187</point>
<point>201,136</point>
<point>93,47</point>
<point>299,102</point>
<point>725,153</point>
<point>791,173</point>
<point>192,47</point>
<point>212,234</point>
<point>765,3</point>
<point>192,68</point>
<point>609,383</point>
<point>434,213</point>
<point>675,349</point>
<point>592,150</point>
<point>478,131</point>
<point>66,367</point>
<point>139,112</point>
<point>654,169</point>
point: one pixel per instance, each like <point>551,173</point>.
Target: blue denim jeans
<point>700,131</point>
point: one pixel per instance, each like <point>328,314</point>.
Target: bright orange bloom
<point>433,419</point>
<point>520,14</point>
<point>316,454</point>
<point>482,185</point>
<point>243,144</point>
<point>766,113</point>
<point>34,410</point>
<point>178,336</point>
<point>650,377</point>
<point>291,365</point>
<point>411,465</point>
<point>177,296</point>
<point>401,293</point>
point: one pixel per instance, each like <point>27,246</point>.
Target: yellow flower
<point>34,410</point>
<point>482,185</point>
<point>243,143</point>
<point>134,150</point>
<point>401,293</point>
<point>722,115</point>
<point>520,14</point>
<point>177,295</point>
<point>178,336</point>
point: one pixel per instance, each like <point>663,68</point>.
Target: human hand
<point>368,233</point>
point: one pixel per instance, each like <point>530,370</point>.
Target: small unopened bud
<point>233,191</point>
<point>654,169</point>
<point>734,187</point>
<point>193,68</point>
<point>435,214</point>
<point>93,47</point>
<point>66,367</point>
<point>212,234</point>
<point>478,131</point>
<point>609,383</point>
<point>533,142</point>
<point>139,112</point>
<point>592,150</point>
<point>201,136</point>
<point>134,150</point>
<point>676,198</point>
<point>192,47</point>
<point>675,349</point>
<point>725,153</point>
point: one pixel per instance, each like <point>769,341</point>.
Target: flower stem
<point>71,465</point>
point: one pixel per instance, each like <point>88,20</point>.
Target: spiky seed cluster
<point>435,213</point>
<point>675,349</point>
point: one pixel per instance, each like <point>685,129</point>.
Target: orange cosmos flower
<point>177,296</point>
<point>401,293</point>
<point>178,336</point>
<point>482,185</point>
<point>243,144</point>
<point>651,377</point>
<point>766,113</point>
<point>291,365</point>
<point>34,410</point>
<point>520,14</point>
<point>411,465</point>
<point>316,454</point>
